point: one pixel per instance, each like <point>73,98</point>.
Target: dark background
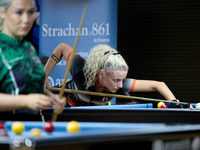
<point>160,40</point>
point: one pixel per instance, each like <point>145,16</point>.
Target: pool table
<point>138,113</point>
<point>130,113</point>
<point>98,136</point>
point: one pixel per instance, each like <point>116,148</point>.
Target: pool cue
<point>113,95</point>
<point>42,116</point>
<point>54,117</point>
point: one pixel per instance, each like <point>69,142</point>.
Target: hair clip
<point>106,52</point>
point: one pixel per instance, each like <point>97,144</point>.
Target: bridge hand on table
<point>178,105</point>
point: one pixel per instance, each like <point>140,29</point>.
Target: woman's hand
<point>38,101</point>
<point>41,102</point>
<point>58,104</point>
<point>178,105</point>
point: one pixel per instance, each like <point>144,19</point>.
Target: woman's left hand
<point>58,104</point>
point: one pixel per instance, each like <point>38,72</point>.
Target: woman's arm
<point>150,86</point>
<point>32,101</point>
<point>62,50</point>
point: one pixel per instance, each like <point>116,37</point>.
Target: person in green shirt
<point>21,71</point>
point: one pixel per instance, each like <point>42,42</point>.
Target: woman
<point>22,74</point>
<point>104,71</point>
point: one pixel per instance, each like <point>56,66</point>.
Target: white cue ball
<point>198,106</point>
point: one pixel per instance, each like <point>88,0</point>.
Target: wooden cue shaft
<point>111,95</point>
<point>54,117</point>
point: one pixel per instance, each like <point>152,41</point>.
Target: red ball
<point>48,127</point>
<point>2,130</point>
<point>164,106</point>
<point>1,125</point>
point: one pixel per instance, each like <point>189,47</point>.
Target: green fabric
<point>21,71</point>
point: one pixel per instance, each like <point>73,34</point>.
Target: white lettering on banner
<point>96,29</point>
<point>101,40</point>
<point>183,144</point>
<point>57,81</point>
<point>51,81</point>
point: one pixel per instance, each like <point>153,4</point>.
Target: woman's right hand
<point>38,101</point>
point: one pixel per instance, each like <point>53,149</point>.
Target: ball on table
<point>73,127</point>
<point>1,125</point>
<point>2,130</point>
<point>49,127</point>
<point>17,127</point>
<point>160,103</point>
<point>164,106</point>
<point>108,103</point>
<point>198,106</point>
<point>36,132</point>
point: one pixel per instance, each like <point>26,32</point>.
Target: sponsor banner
<point>60,21</point>
<point>182,144</point>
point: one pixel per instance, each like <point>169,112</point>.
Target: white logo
<point>51,81</point>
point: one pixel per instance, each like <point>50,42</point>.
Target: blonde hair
<point>4,5</point>
<point>102,57</point>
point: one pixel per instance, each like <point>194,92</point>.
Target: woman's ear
<point>2,14</point>
<point>101,74</point>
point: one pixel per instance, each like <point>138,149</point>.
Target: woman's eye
<point>19,12</point>
<point>31,12</point>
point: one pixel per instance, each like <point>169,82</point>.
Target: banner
<point>59,23</point>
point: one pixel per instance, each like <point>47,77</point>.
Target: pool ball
<point>49,127</point>
<point>17,127</point>
<point>2,130</point>
<point>108,103</point>
<point>36,132</point>
<point>1,125</point>
<point>73,127</point>
<point>164,106</point>
<point>160,103</point>
<point>198,106</point>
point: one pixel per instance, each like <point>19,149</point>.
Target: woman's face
<point>18,19</point>
<point>114,81</point>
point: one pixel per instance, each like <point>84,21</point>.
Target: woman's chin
<point>113,91</point>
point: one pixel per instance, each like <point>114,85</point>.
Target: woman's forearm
<point>163,89</point>
<point>12,102</point>
<point>151,86</point>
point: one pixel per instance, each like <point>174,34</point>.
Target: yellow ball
<point>36,132</point>
<point>17,127</point>
<point>160,103</point>
<point>108,103</point>
<point>73,127</point>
